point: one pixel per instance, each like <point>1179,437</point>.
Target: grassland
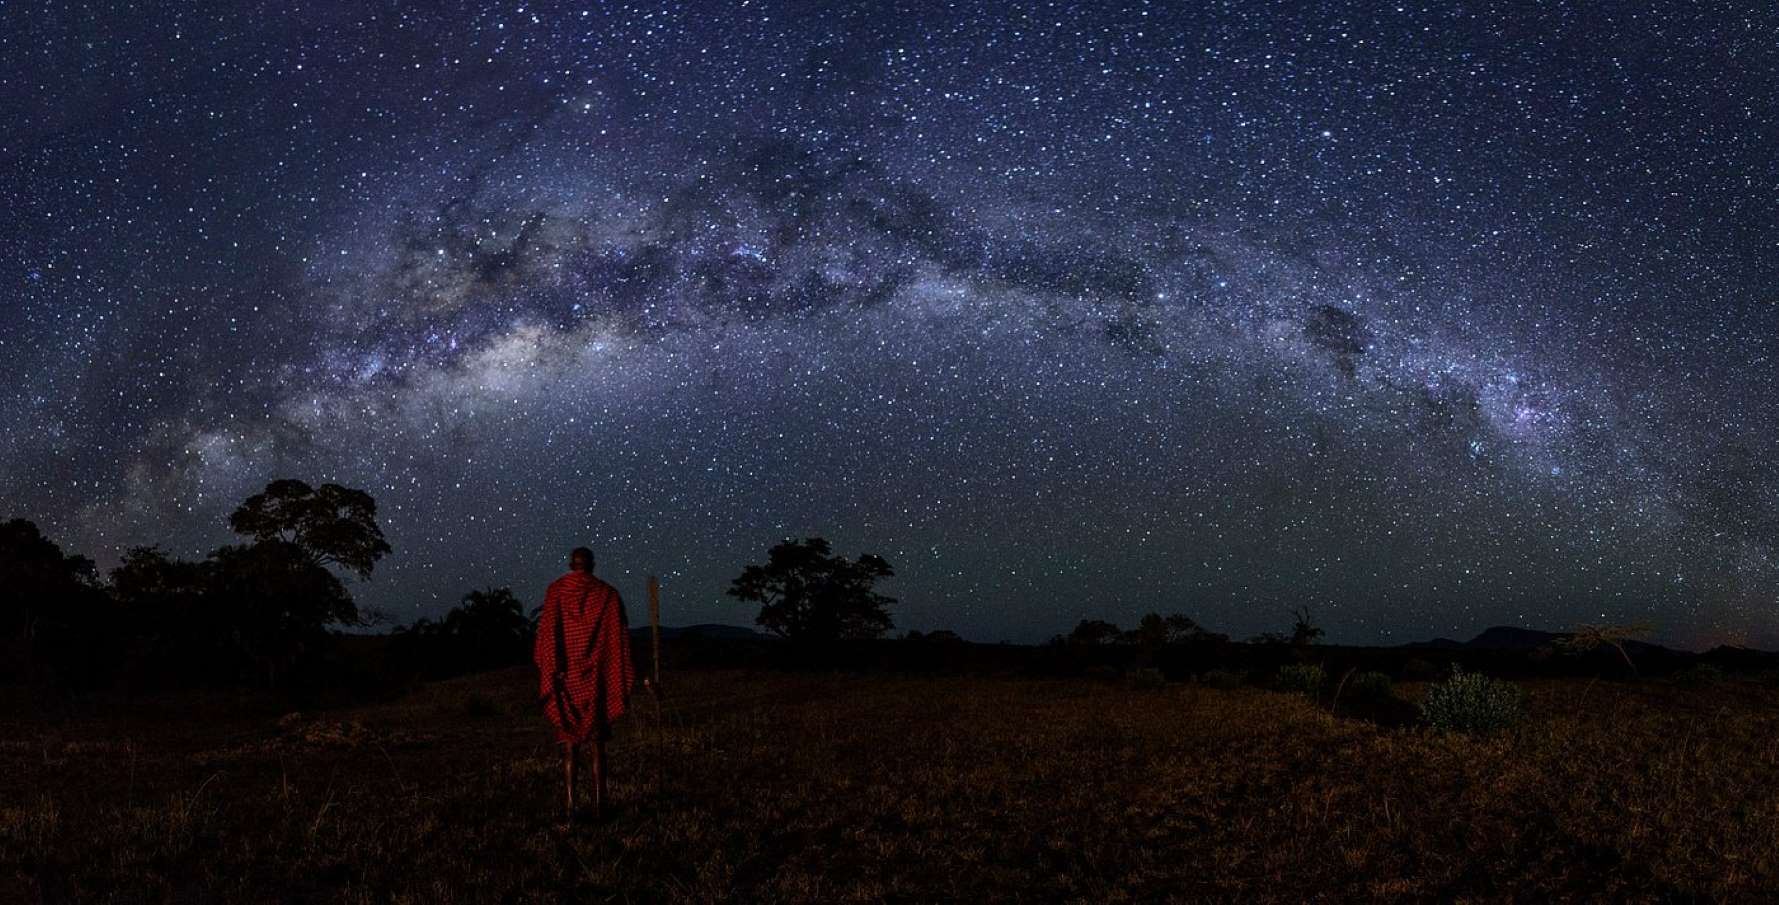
<point>797,787</point>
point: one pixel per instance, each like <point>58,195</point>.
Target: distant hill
<point>709,631</point>
<point>1435,644</point>
<point>1506,637</point>
<point>1512,638</point>
<point>1741,659</point>
<point>1500,637</point>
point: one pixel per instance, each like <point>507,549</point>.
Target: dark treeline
<point>268,613</point>
<point>259,613</point>
<point>488,630</point>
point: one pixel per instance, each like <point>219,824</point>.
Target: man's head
<point>580,559</point>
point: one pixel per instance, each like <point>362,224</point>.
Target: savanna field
<point>764,786</point>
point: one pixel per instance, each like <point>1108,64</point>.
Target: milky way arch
<point>1425,319</point>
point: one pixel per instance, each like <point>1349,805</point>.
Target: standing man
<point>584,668</point>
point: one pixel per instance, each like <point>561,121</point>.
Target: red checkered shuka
<point>583,657</point>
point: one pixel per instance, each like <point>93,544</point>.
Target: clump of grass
<point>1370,686</point>
<point>1699,675</point>
<point>34,825</point>
<point>1223,678</point>
<point>1473,702</point>
<point>1147,678</point>
<point>1302,678</point>
<point>795,787</point>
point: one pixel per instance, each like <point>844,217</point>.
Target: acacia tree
<point>333,525</point>
<point>808,594</point>
<point>1590,636</point>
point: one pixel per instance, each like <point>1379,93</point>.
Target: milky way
<point>1430,317</point>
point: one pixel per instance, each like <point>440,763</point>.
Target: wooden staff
<point>655,665</point>
<point>655,630</point>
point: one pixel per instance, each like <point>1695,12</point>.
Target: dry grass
<point>765,787</point>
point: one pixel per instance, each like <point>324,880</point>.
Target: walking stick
<point>655,664</point>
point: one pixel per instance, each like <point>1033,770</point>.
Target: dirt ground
<point>800,787</point>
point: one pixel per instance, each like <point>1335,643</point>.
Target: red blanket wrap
<point>583,657</point>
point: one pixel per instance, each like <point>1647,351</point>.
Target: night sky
<point>1432,317</point>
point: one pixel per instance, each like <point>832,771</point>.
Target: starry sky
<point>1431,317</point>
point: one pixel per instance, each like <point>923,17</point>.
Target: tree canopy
<point>488,629</point>
<point>49,601</point>
<point>35,576</point>
<point>333,525</point>
<point>806,593</point>
<point>260,611</point>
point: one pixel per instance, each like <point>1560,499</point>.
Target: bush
<point>1305,678</point>
<point>1472,702</point>
<point>1701,675</point>
<point>1369,686</point>
<point>1420,669</point>
<point>1223,678</point>
<point>1147,677</point>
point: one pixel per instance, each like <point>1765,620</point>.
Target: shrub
<point>1472,702</point>
<point>1147,677</point>
<point>1305,678</point>
<point>1420,669</point>
<point>1369,686</point>
<point>1700,675</point>
<point>1223,678</point>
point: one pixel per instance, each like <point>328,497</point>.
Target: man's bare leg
<point>569,756</point>
<point>599,792</point>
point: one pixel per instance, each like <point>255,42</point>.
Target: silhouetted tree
<point>253,611</point>
<point>259,611</point>
<point>493,616</point>
<point>51,610</point>
<point>1093,631</point>
<point>1591,636</point>
<point>1155,631</point>
<point>174,627</point>
<point>1182,629</point>
<point>36,579</point>
<point>278,603</point>
<point>939,636</point>
<point>807,594</point>
<point>1150,633</point>
<point>280,592</point>
<point>487,631</point>
<point>1304,630</point>
<point>333,525</point>
<point>148,576</point>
